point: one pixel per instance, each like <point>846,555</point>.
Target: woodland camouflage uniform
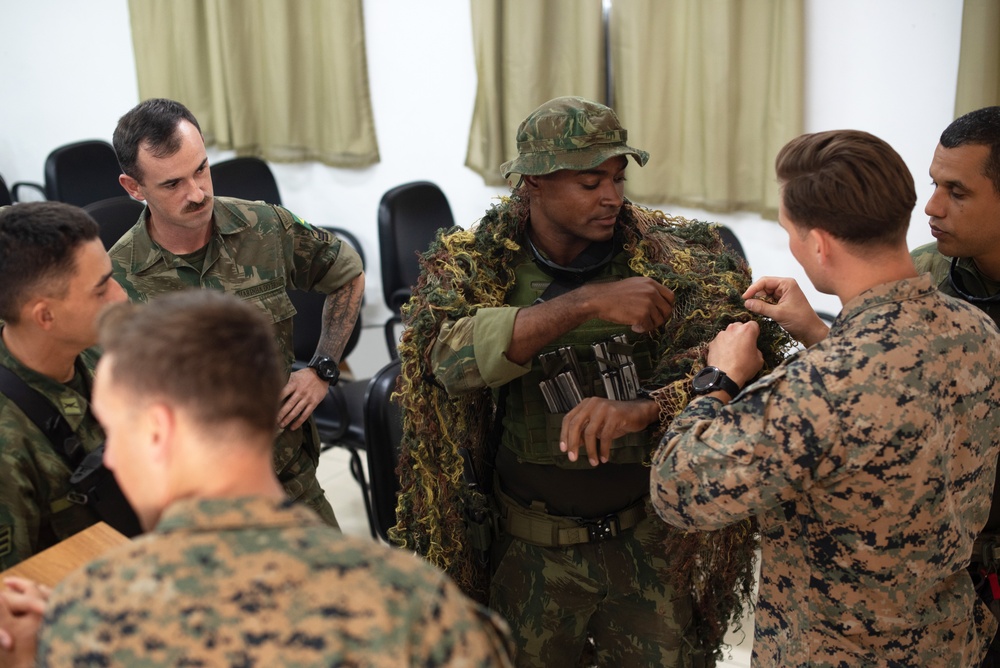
<point>35,511</point>
<point>258,252</point>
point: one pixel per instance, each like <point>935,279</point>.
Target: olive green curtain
<point>528,52</point>
<point>711,88</point>
<point>979,59</point>
<point>283,80</point>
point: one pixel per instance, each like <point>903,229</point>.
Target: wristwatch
<point>325,368</point>
<point>712,378</point>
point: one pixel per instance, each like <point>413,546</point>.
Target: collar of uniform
<point>217,514</point>
<point>227,217</point>
<point>70,404</point>
<point>884,293</point>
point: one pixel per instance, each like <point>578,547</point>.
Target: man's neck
<point>39,353</point>
<point>862,274</point>
<point>988,267</point>
<point>180,240</point>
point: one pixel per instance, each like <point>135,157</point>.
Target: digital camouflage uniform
<point>986,555</point>
<point>869,461</point>
<point>258,582</point>
<point>258,252</point>
<point>34,477</point>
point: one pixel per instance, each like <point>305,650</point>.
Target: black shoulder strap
<point>45,416</point>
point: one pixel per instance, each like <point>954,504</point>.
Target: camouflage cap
<point>569,133</point>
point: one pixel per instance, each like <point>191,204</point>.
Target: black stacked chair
<point>409,217</point>
<point>383,434</point>
<point>5,197</point>
<point>115,216</point>
<point>246,178</point>
<point>79,173</point>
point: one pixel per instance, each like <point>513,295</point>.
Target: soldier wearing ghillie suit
<point>187,238</point>
<point>232,571</point>
<point>869,458</point>
<point>569,315</point>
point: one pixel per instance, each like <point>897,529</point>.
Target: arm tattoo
<point>340,313</point>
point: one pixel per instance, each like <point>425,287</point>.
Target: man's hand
<point>792,310</point>
<point>734,350</point>
<point>299,398</point>
<point>639,302</point>
<point>22,604</point>
<point>597,421</point>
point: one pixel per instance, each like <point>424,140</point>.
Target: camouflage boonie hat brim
<point>569,133</point>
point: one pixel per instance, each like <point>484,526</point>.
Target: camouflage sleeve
<point>718,464</point>
<point>320,260</point>
<point>20,515</point>
<point>927,259</point>
<point>471,353</point>
<point>455,631</point>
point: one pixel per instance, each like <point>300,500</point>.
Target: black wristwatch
<point>713,378</point>
<point>325,368</point>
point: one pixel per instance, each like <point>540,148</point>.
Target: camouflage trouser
<point>300,483</point>
<point>616,591</point>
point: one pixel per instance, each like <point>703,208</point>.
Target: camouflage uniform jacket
<point>257,252</point>
<point>928,259</point>
<point>254,581</point>
<point>34,477</point>
<point>869,461</point>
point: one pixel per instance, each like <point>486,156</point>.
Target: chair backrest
<point>409,216</point>
<point>730,241</point>
<point>115,216</point>
<point>5,197</point>
<point>82,173</point>
<point>383,434</point>
<point>246,178</point>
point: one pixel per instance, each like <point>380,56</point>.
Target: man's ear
<point>530,182</point>
<point>39,312</point>
<point>132,187</point>
<point>162,422</point>
<point>820,243</point>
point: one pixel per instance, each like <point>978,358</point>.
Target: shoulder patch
<point>6,540</point>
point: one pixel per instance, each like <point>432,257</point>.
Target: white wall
<point>885,66</point>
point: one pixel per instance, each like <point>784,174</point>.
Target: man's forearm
<point>340,313</point>
<point>536,326</point>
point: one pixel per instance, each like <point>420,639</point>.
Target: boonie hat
<point>569,133</point>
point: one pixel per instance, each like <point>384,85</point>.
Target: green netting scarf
<point>465,270</point>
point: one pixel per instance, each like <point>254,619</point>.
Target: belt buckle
<point>603,529</point>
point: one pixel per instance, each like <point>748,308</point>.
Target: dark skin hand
<point>595,422</point>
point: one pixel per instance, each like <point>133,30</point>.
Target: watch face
<point>706,380</point>
<point>326,369</point>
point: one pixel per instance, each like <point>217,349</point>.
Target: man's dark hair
<point>38,243</point>
<point>205,351</point>
<point>848,183</point>
<point>980,128</point>
<point>152,124</point>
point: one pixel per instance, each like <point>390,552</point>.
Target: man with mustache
<point>186,238</point>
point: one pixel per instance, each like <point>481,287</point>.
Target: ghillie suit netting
<point>465,270</point>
